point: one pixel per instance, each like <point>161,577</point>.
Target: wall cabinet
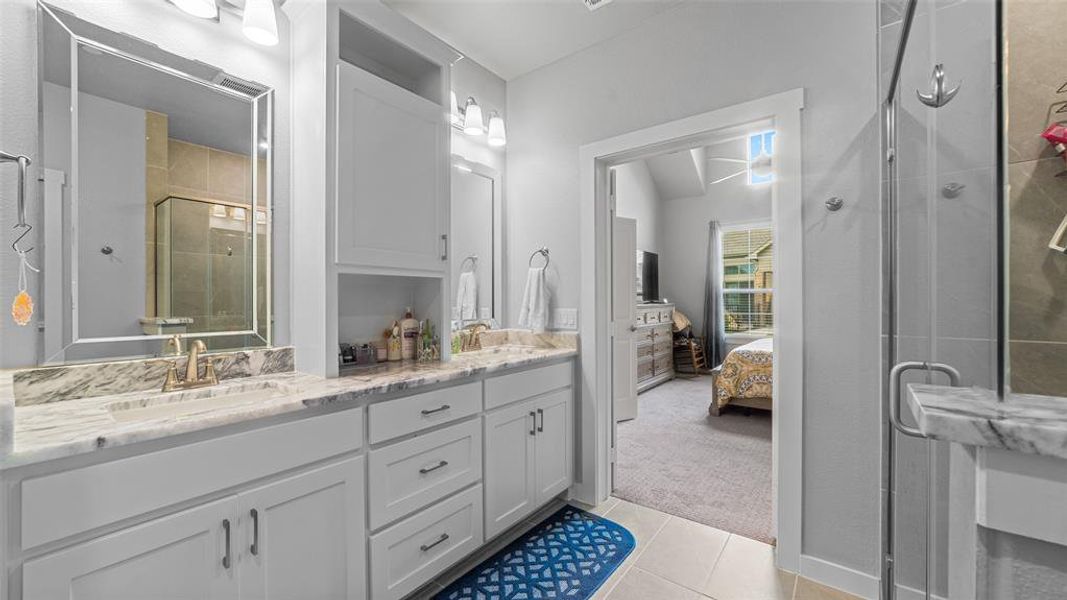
<point>392,175</point>
<point>528,450</point>
<point>300,537</point>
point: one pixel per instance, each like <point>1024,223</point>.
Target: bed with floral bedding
<point>744,378</point>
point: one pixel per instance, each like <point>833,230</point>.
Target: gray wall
<point>636,198</point>
<point>221,44</point>
<point>698,58</point>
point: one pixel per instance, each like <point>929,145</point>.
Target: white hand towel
<point>533,313</point>
<point>467,296</point>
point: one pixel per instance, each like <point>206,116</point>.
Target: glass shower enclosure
<point>210,274</point>
<point>941,220</point>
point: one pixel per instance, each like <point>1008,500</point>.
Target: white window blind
<point>748,280</point>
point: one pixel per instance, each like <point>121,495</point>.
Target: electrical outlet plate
<point>565,318</point>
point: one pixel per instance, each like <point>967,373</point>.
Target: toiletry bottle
<point>409,331</point>
<point>395,348</point>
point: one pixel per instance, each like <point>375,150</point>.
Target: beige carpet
<point>713,470</point>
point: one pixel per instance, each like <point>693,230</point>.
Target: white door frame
<point>784,110</point>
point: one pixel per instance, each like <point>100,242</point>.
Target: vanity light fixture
<point>497,137</point>
<point>260,22</point>
<point>472,118</point>
<point>205,9</point>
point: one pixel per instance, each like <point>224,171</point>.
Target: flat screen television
<point>648,268</point>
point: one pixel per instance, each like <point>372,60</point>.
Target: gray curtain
<point>714,320</point>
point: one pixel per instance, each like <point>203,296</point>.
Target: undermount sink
<point>188,402</point>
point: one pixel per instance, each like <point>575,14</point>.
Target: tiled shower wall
<point>1036,83</point>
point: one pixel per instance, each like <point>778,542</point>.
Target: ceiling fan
<point>760,166</point>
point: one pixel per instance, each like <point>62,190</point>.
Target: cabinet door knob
<point>254,549</point>
<point>226,532</point>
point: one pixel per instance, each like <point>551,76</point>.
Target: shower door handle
<point>938,96</point>
<point>894,390</point>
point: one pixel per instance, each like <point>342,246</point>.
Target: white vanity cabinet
<point>392,176</point>
<point>342,504</point>
<point>528,446</point>
<point>301,537</point>
<point>177,556</point>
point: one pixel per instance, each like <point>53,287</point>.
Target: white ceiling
<point>513,37</point>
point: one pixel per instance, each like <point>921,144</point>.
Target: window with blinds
<point>748,280</point>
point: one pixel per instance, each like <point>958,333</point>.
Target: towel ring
<point>543,251</point>
<point>473,258</point>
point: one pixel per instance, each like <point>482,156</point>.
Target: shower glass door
<point>938,83</point>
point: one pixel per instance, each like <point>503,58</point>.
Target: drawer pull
<point>425,470</point>
<point>541,427</point>
<point>533,426</point>
<point>432,411</point>
<point>254,549</point>
<point>440,540</point>
<point>226,532</point>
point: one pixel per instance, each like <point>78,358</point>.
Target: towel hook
<point>543,251</point>
<point>20,223</point>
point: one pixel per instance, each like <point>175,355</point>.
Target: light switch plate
<point>564,319</point>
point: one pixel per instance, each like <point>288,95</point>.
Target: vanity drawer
<point>644,351</point>
<point>414,551</point>
<point>644,369</point>
<point>394,418</point>
<point>666,316</point>
<point>63,504</point>
<point>407,476</point>
<point>527,384</point>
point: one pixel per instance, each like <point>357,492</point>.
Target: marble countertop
<point>54,430</point>
<point>977,417</point>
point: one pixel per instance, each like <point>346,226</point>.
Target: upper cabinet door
<point>303,537</point>
<point>177,556</point>
<point>392,175</point>
<point>554,445</point>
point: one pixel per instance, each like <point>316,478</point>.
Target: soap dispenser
<point>409,332</point>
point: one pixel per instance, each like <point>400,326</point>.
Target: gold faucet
<point>473,339</point>
<point>192,368</point>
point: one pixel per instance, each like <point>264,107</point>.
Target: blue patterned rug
<point>568,555</point>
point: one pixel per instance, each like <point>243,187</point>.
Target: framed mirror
<point>157,197</point>
<point>476,243</point>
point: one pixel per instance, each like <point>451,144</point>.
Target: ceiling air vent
<point>240,86</point>
<point>595,4</point>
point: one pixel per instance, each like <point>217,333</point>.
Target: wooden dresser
<point>655,352</point>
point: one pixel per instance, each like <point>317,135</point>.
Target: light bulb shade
<point>260,23</point>
<point>205,9</point>
<point>453,113</point>
<point>472,121</point>
<point>497,137</point>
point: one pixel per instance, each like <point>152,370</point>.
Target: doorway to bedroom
<point>693,264</point>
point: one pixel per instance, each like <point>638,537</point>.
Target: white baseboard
<point>843,578</point>
<point>909,593</point>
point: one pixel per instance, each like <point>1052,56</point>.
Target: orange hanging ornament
<point>22,309</point>
<point>22,306</point>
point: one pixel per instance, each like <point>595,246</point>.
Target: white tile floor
<point>676,559</point>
